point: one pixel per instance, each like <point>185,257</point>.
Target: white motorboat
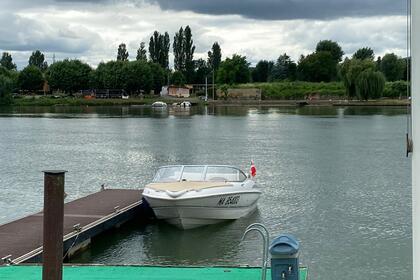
<point>159,104</point>
<point>190,196</point>
<point>185,104</point>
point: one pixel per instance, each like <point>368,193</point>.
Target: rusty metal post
<point>53,225</point>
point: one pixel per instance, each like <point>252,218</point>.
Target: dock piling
<point>53,225</point>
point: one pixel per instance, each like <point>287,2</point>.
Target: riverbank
<point>300,103</point>
<point>71,101</point>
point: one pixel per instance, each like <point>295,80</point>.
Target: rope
<point>74,242</point>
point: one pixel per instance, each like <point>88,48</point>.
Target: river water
<point>336,178</point>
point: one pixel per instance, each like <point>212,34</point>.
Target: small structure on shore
<point>176,91</point>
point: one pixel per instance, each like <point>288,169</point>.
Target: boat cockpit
<point>197,173</point>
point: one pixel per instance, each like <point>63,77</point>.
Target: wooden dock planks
<point>108,207</point>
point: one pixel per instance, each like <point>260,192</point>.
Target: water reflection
<point>148,111</point>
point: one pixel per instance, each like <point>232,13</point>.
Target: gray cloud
<point>26,34</point>
<point>91,30</point>
<point>288,9</point>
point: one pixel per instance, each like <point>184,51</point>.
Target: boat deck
<point>140,272</point>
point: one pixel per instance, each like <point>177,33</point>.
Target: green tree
<point>178,78</point>
<point>189,49</point>
<point>69,75</point>
<point>370,84</point>
<point>37,59</point>
<point>159,76</point>
<point>201,71</point>
<point>109,75</point>
<point>364,53</point>
<point>159,45</point>
<point>178,47</point>
<point>317,67</point>
<point>155,47</point>
<point>350,71</point>
<point>141,52</point>
<point>392,66</point>
<point>7,61</point>
<point>30,78</point>
<point>407,66</point>
<point>378,63</point>
<point>262,70</point>
<point>284,68</point>
<point>234,70</point>
<point>122,53</point>
<point>332,47</point>
<point>166,45</point>
<point>6,86</point>
<point>137,77</point>
<point>214,57</point>
<point>184,53</point>
<point>11,75</point>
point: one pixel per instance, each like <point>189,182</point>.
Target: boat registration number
<point>229,200</point>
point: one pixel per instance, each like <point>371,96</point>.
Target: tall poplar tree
<point>189,49</point>
<point>141,52</point>
<point>184,53</point>
<point>214,56</point>
<point>159,45</point>
<point>178,46</point>
<point>122,54</point>
<point>166,44</point>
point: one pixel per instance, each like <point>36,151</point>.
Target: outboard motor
<point>284,252</point>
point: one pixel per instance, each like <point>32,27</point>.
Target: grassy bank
<point>71,101</point>
<point>301,90</point>
<point>278,93</point>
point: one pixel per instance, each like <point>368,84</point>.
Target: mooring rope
<point>74,242</point>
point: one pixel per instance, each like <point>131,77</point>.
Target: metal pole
<point>206,89</point>
<point>53,225</point>
<point>415,95</point>
<point>213,84</point>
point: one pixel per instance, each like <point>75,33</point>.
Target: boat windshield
<point>199,173</point>
<point>168,174</point>
<point>224,173</point>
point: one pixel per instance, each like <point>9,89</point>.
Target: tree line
<point>362,75</point>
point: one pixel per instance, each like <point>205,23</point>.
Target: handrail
<point>265,253</point>
<point>267,234</point>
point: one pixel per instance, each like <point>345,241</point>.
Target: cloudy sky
<point>91,30</point>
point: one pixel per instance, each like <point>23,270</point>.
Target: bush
<point>396,89</point>
<point>297,90</point>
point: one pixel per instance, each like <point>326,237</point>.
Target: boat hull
<point>200,211</point>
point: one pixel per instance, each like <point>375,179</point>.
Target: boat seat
<point>187,185</point>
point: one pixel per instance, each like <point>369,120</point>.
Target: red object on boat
<point>253,170</point>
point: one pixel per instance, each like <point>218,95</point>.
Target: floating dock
<point>140,272</point>
<point>84,218</point>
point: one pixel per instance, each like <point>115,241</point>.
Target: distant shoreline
<point>66,101</point>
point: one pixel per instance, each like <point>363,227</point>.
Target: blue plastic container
<point>284,252</point>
